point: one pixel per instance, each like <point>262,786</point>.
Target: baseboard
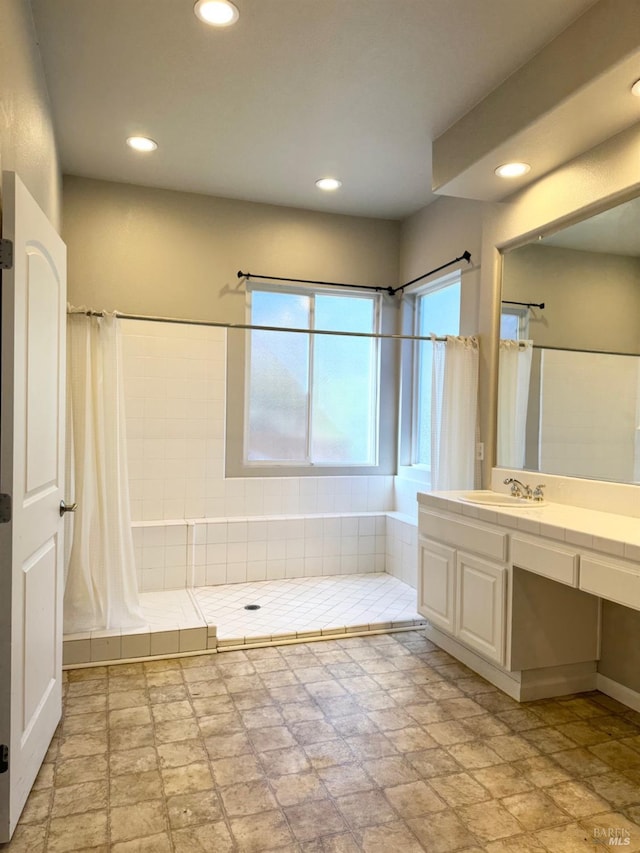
<point>507,682</point>
<point>618,691</point>
<point>521,686</point>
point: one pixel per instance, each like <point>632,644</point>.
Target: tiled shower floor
<point>209,617</point>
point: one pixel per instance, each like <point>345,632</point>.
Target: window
<point>312,399</point>
<point>437,311</point>
<point>514,323</point>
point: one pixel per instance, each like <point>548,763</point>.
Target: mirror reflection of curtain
<point>101,588</point>
<point>454,413</point>
<point>513,397</point>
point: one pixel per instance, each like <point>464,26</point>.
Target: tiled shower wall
<point>256,528</point>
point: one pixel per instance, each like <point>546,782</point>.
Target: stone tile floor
<point>377,744</point>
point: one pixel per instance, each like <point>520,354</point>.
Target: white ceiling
<point>297,89</point>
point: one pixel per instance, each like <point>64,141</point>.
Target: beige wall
<point>150,251</point>
<point>27,144</point>
<point>437,234</point>
<point>592,299</point>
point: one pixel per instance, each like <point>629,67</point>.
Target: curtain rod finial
<point>466,256</point>
<point>241,274</point>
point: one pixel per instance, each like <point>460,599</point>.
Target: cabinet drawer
<point>543,558</point>
<point>615,581</point>
<point>470,536</point>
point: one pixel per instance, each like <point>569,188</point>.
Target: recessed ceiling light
<point>512,170</point>
<point>328,184</point>
<point>635,89</point>
<point>218,13</point>
<point>141,143</point>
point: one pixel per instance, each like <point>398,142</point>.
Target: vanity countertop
<point>611,533</point>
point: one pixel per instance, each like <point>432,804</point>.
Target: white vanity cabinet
<point>505,603</point>
<point>463,595</point>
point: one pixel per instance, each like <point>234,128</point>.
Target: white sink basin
<point>488,498</point>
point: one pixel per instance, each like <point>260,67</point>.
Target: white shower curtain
<point>101,589</point>
<point>454,413</point>
<point>513,399</point>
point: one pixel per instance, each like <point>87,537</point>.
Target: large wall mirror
<point>569,380</point>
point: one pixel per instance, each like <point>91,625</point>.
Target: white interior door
<point>32,474</point>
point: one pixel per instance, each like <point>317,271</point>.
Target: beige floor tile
<point>82,797</point>
<point>204,839</point>
<point>576,799</point>
<point>516,844</point>
<point>512,747</point>
<point>535,810</point>
<point>225,746</point>
<point>189,809</point>
<point>80,745</point>
<point>158,843</point>
<point>77,832</point>
<point>489,821</point>
<point>166,711</point>
<point>138,760</point>
<point>329,753</point>
<point>247,798</point>
<point>442,832</point>
<point>134,788</point>
<point>84,723</point>
<point>131,738</point>
<point>76,770</point>
<point>29,838</point>
<point>541,771</point>
<point>571,838</point>
<point>521,720</point>
<point>433,762</point>
<point>186,780</point>
<point>250,832</point>
<point>393,770</point>
<point>177,730</point>
<point>240,768</point>
<point>272,737</point>
<point>167,693</point>
<point>616,788</point>
<point>366,809</point>
<point>389,836</point>
<point>371,746</point>
<point>474,755</point>
<point>298,788</point>
<point>342,842</point>
<point>314,819</point>
<point>414,799</point>
<point>459,789</point>
<point>410,739</point>
<point>127,699</point>
<point>583,733</point>
<point>580,762</point>
<point>343,779</point>
<point>547,740</point>
<point>503,780</point>
<point>178,753</point>
<point>137,821</point>
<point>450,732</point>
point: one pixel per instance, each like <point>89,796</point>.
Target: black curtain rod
<point>465,256</point>
<point>526,304</point>
<point>249,275</point>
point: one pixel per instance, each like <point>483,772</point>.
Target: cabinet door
<point>436,583</point>
<point>480,605</point>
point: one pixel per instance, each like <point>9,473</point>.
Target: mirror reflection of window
<point>514,324</point>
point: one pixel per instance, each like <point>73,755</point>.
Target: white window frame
<point>522,313</point>
<point>408,466</point>
<point>374,425</point>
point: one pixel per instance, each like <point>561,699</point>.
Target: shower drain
<point>252,607</point>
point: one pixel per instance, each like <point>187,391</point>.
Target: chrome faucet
<point>518,489</point>
<point>538,494</point>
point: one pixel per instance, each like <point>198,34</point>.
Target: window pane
<point>438,313</point>
<point>509,326</point>
<point>279,379</point>
<point>344,370</point>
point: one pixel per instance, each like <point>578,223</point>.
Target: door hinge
<point>4,758</point>
<point>5,508</point>
<point>6,255</point>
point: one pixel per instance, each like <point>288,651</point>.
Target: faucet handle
<point>538,494</point>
